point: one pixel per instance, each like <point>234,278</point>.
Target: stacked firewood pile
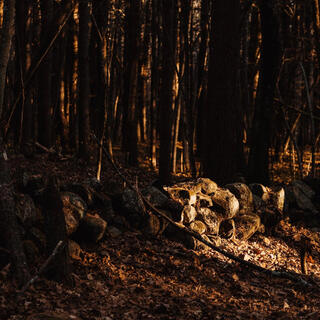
<point>235,211</point>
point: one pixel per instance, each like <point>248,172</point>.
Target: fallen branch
<point>60,245</point>
<point>43,148</point>
<point>280,274</point>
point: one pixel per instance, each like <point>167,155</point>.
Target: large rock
<point>303,195</point>
<point>74,209</point>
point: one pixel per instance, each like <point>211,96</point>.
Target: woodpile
<point>236,211</point>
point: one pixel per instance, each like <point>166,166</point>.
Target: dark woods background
<point>218,88</point>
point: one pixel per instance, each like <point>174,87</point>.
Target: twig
<point>60,245</point>
<point>185,229</point>
<point>40,146</point>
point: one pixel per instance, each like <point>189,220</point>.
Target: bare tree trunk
<point>45,120</point>
<point>169,36</point>
<point>262,123</point>
<point>84,79</point>
<point>24,40</point>
<point>224,118</point>
<point>55,228</point>
<point>155,80</point>
<point>7,32</point>
<point>8,222</point>
<point>130,82</point>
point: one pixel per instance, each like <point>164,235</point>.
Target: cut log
<point>244,196</point>
<point>211,219</point>
<point>225,203</point>
<point>260,191</point>
<point>74,209</point>
<point>91,228</point>
<point>188,214</point>
<point>246,226</point>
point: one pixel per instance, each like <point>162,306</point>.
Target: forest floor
<point>133,276</point>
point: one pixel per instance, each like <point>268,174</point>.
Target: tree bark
<point>263,117</point>
<point>169,36</point>
<point>55,228</point>
<point>7,32</point>
<point>130,81</point>
<point>45,120</point>
<point>84,79</point>
<point>8,222</point>
<point>224,119</point>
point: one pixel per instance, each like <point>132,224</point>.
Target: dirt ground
<point>134,276</point>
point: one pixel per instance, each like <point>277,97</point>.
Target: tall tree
<point>7,32</point>
<point>263,116</point>
<point>45,110</point>
<point>130,81</point>
<point>168,40</point>
<point>223,116</point>
<point>84,78</point>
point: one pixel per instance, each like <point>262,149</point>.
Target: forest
<point>215,103</point>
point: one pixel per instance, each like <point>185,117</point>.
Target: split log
<point>225,203</point>
<point>244,196</point>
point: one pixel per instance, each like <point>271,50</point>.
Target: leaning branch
<point>60,245</point>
